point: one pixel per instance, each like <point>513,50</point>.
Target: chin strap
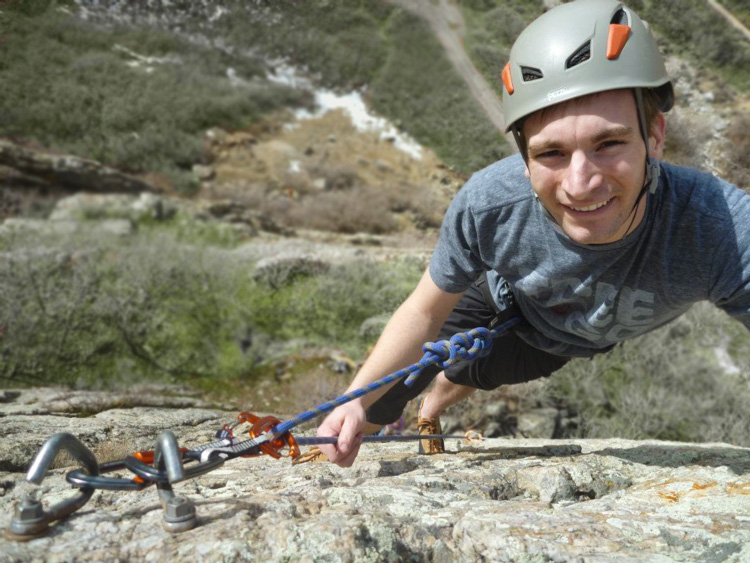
<point>520,142</point>
<point>652,174</point>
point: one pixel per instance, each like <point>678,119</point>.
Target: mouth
<point>589,208</point>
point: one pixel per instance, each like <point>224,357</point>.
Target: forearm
<point>400,344</point>
<point>418,320</point>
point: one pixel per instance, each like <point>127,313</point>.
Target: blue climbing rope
<point>463,346</point>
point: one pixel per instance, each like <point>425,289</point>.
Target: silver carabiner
<point>30,519</point>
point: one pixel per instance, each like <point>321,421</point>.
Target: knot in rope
<point>463,346</point>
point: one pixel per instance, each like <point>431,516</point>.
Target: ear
<point>657,137</point>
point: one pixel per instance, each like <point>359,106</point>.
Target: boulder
<point>68,171</point>
<point>373,327</point>
<point>64,227</point>
<point>134,208</point>
<point>281,270</point>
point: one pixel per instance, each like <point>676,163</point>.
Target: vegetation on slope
<point>740,10</point>
<point>81,89</point>
<point>389,52</point>
<point>690,27</point>
<point>696,31</point>
<point>139,98</point>
<point>667,385</point>
<point>93,310</point>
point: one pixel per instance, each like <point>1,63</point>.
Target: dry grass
<point>738,152</point>
<point>295,384</point>
<point>686,139</point>
<point>335,198</point>
<point>359,209</point>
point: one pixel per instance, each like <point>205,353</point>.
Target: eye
<point>548,154</point>
<point>611,143</point>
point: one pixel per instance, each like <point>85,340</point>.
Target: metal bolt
<point>179,515</point>
<point>28,522</point>
<point>29,509</point>
<point>179,509</point>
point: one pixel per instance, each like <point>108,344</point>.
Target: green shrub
<point>341,41</point>
<point>329,309</point>
<point>67,85</point>
<point>526,9</point>
<point>694,29</point>
<point>740,9</point>
<point>87,307</point>
<point>91,310</point>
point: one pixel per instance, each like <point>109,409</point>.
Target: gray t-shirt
<point>693,245</point>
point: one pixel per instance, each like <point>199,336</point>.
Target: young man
<point>585,236</point>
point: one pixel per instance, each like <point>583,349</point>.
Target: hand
<point>346,422</point>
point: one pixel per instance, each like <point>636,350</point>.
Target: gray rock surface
<point>67,170</point>
<point>135,208</point>
<point>497,500</point>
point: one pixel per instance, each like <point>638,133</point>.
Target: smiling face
<point>586,163</point>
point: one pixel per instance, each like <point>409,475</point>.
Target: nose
<point>582,177</point>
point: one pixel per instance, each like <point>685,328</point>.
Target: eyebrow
<point>619,131</point>
<point>615,132</point>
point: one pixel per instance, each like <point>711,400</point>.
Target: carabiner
<point>30,519</point>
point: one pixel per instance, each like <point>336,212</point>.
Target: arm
<point>730,261</point>
<point>416,321</point>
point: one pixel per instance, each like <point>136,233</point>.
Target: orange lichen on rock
<point>669,495</point>
<point>738,488</point>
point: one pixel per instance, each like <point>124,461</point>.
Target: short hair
<point>652,104</point>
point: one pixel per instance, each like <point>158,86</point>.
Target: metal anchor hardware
<point>30,519</point>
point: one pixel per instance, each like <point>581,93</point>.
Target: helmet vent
<point>620,18</point>
<point>582,54</point>
<point>530,73</point>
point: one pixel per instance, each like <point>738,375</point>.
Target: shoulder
<point>703,194</point>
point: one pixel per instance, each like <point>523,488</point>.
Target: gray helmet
<point>580,48</point>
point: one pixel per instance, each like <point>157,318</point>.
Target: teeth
<point>590,207</point>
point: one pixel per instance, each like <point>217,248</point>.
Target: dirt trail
<point>444,17</point>
<point>446,21</point>
<point>727,15</point>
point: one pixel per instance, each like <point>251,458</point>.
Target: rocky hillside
<point>496,500</point>
<point>232,139</point>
